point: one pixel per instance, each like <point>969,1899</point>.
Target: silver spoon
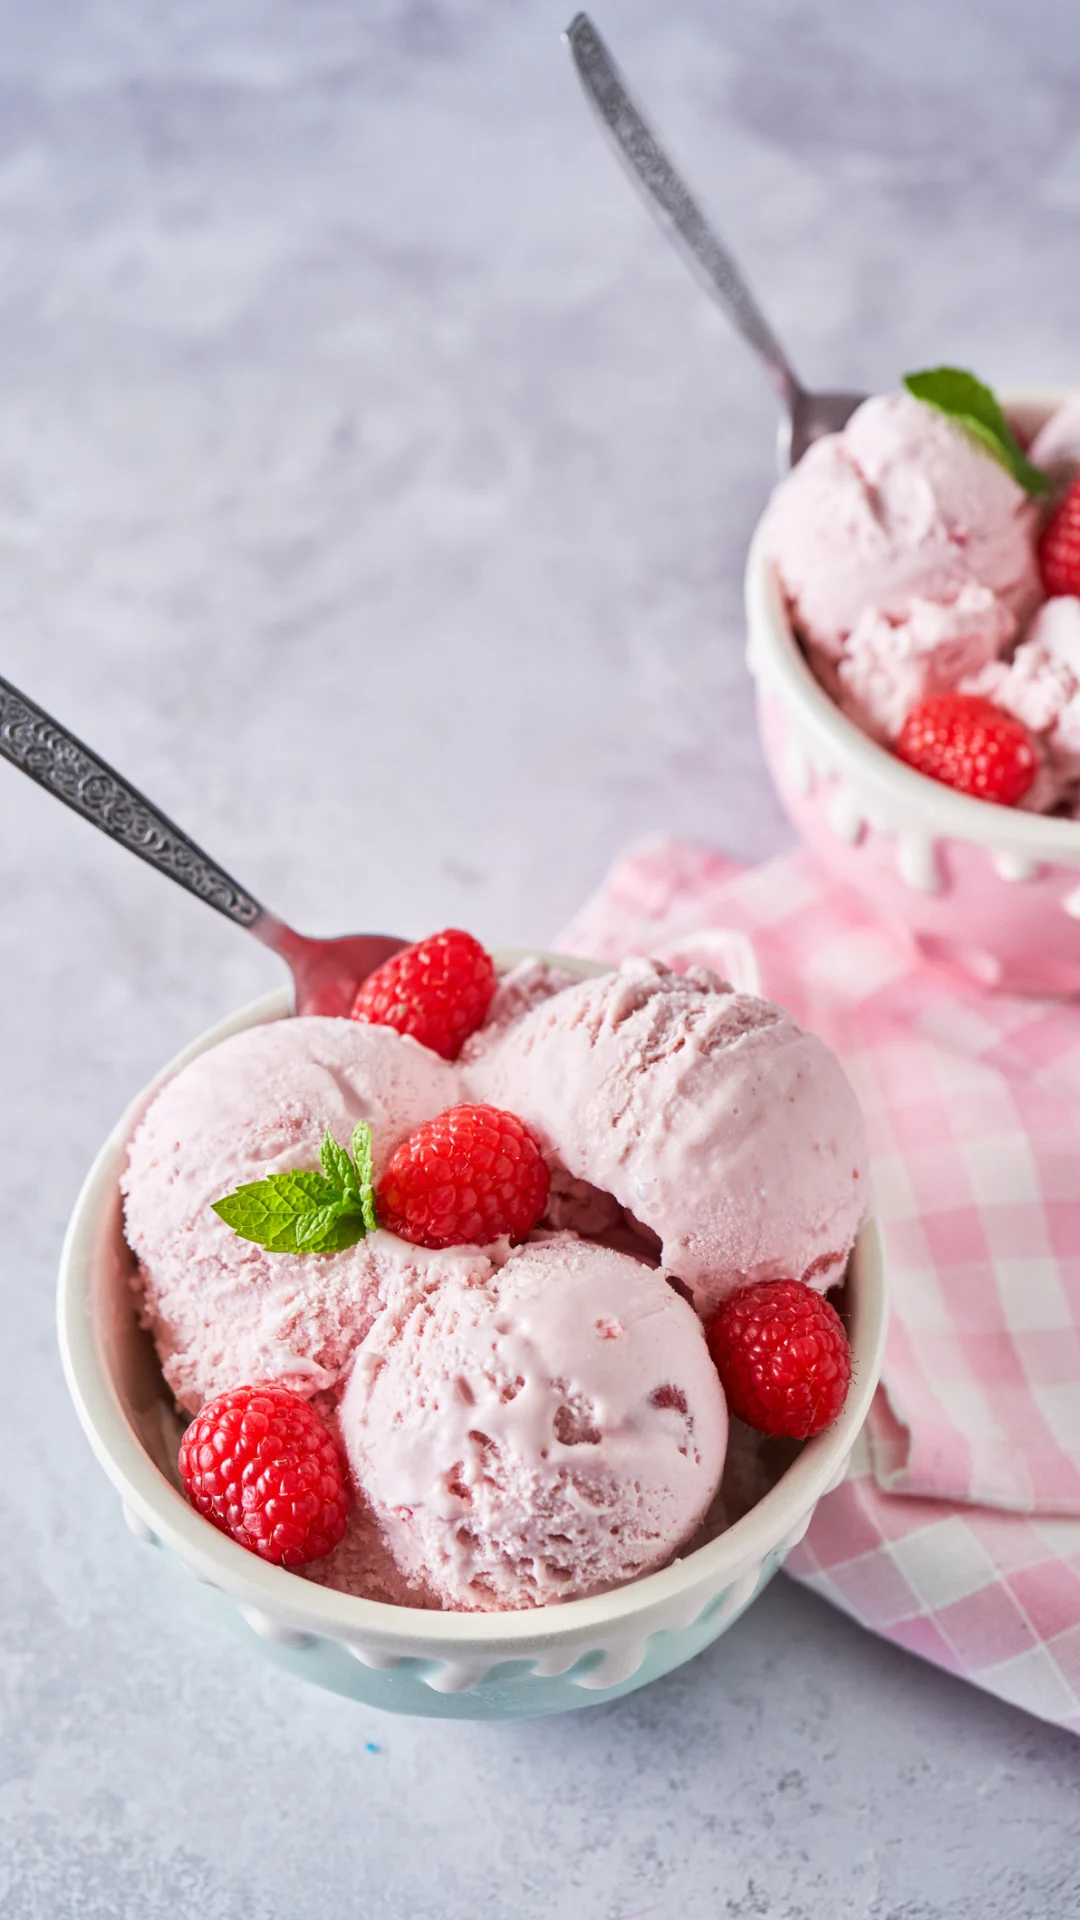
<point>808,415</point>
<point>326,973</point>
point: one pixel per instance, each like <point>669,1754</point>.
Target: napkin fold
<point>957,1531</point>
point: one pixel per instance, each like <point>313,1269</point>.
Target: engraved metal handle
<point>40,747</point>
<point>671,200</point>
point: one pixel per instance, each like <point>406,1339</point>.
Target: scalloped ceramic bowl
<point>988,890</point>
<point>476,1666</point>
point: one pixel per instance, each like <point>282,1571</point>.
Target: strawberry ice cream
<point>710,1116</point>
<point>904,505</point>
<point>549,1432</point>
<point>525,1424</point>
<point>889,665</point>
<point>222,1309</point>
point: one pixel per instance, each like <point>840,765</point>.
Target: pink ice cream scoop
<point>543,1434</point>
<point>1056,446</point>
<point>888,665</point>
<point>1041,686</point>
<point>901,506</point>
<point>708,1114</point>
<point>223,1310</point>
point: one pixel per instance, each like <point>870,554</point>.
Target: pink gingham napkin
<point>957,1532</point>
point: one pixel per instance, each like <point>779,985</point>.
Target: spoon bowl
<point>326,973</point>
<point>811,416</point>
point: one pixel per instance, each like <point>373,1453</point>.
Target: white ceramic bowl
<point>989,890</point>
<point>478,1666</point>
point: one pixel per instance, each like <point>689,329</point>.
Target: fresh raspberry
<point>259,1463</point>
<point>1059,548</point>
<point>438,991</point>
<point>966,742</point>
<point>468,1176</point>
<point>783,1358</point>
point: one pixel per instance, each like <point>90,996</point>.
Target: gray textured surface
<point>373,487</point>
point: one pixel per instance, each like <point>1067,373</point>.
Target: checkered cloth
<point>957,1531</point>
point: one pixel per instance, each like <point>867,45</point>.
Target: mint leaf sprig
<point>306,1212</point>
<point>957,393</point>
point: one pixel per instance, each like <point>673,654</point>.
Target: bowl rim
<point>273,1591</point>
<point>775,656</point>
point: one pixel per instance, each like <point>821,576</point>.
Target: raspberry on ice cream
<point>222,1309</point>
<point>968,743</point>
<point>473,1174</point>
<point>438,991</point>
<point>259,1463</point>
<point>783,1358</point>
<point>902,506</point>
<point>544,1434</point>
<point>708,1114</point>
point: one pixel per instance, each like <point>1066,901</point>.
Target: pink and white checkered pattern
<point>957,1532</point>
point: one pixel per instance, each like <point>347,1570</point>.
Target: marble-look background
<point>374,486</point>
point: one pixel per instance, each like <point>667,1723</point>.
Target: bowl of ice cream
<point>159,1311</point>
<point>902,563</point>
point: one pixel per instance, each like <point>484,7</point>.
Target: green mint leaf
<point>329,1229</point>
<point>361,1153</point>
<point>267,1211</point>
<point>957,393</point>
<point>336,1164</point>
<point>305,1212</point>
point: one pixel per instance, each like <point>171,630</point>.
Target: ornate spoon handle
<point>40,747</point>
<point>670,198</point>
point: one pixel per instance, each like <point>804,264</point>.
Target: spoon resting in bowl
<point>326,973</point>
